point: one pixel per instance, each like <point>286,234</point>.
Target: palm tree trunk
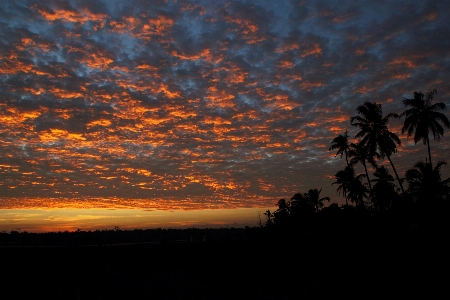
<point>429,152</point>
<point>345,192</point>
<point>368,180</point>
<point>395,171</point>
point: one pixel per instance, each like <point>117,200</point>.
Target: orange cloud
<point>402,76</point>
<point>285,64</point>
<point>336,129</point>
<point>363,90</point>
<point>101,122</point>
<point>248,29</point>
<point>360,51</point>
<point>97,61</point>
<point>311,50</point>
<point>286,47</point>
<point>34,91</point>
<point>170,94</point>
<point>64,94</point>
<point>66,15</point>
<point>12,65</point>
<point>219,98</point>
<point>307,85</point>
<point>158,26</point>
<point>126,25</point>
<point>147,67</point>
<point>409,62</point>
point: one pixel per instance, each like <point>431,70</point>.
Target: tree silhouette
<point>302,211</point>
<point>357,191</point>
<point>301,205</point>
<point>359,154</point>
<point>343,179</point>
<point>375,133</point>
<point>384,189</point>
<point>269,216</point>
<point>426,185</point>
<point>314,198</point>
<point>341,144</point>
<point>387,145</point>
<point>281,215</point>
<point>423,117</point>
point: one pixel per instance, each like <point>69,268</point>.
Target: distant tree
<point>426,185</point>
<point>341,144</point>
<point>314,198</point>
<point>269,218</point>
<point>301,205</point>
<point>281,215</point>
<point>302,211</point>
<point>375,133</point>
<point>384,189</point>
<point>423,117</point>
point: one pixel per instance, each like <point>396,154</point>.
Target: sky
<point>187,105</point>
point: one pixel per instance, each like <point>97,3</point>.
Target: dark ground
<point>237,265</point>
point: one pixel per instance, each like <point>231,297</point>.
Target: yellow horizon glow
<point>62,219</point>
<point>70,214</point>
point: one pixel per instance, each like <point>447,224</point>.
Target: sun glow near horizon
<point>53,215</point>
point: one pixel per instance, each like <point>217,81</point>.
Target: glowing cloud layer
<point>189,100</point>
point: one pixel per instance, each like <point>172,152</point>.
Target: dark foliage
<point>423,117</point>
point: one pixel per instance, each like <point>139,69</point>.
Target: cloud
<point>194,100</point>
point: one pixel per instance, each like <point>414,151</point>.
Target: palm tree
<point>301,210</point>
<point>341,143</point>
<point>426,185</point>
<point>375,133</point>
<point>281,215</point>
<point>423,117</point>
<point>314,197</point>
<point>357,191</point>
<point>387,144</point>
<point>301,204</point>
<point>359,154</point>
<point>384,189</point>
<point>343,179</point>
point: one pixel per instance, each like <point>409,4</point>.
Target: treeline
<point>118,236</point>
<point>420,198</point>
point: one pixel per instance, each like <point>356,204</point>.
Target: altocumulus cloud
<point>203,100</point>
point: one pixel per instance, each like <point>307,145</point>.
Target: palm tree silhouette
<point>387,145</point>
<point>301,205</point>
<point>343,179</point>
<point>357,191</point>
<point>341,143</point>
<point>426,184</point>
<point>359,154</point>
<point>384,189</point>
<point>424,117</point>
<point>281,215</point>
<point>375,133</point>
<point>314,197</point>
